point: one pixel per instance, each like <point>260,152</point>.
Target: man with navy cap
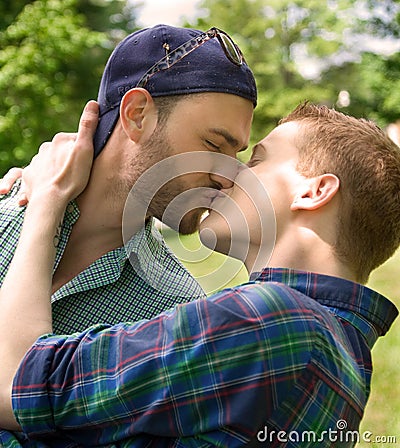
<point>165,91</point>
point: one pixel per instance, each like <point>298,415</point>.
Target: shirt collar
<point>156,264</point>
<point>337,293</point>
<point>70,217</point>
<point>143,244</point>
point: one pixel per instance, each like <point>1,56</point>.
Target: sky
<point>169,12</point>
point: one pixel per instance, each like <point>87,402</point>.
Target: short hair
<point>166,104</point>
<point>367,163</point>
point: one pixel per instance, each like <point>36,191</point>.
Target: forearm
<point>56,175</point>
<point>26,291</point>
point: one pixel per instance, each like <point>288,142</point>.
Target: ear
<point>138,114</point>
<point>316,192</point>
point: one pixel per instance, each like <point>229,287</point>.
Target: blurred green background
<point>342,53</point>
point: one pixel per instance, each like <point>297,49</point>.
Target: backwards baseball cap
<point>166,60</point>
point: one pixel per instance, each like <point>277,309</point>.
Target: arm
<point>26,290</point>
<point>199,372</point>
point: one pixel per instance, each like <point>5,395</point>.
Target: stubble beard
<point>155,150</point>
<point>173,215</point>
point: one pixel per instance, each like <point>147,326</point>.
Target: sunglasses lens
<point>231,50</point>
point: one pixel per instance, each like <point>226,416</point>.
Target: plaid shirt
<point>113,289</point>
<point>288,351</point>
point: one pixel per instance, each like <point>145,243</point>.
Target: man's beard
<point>170,206</point>
<point>176,215</point>
<point>155,150</point>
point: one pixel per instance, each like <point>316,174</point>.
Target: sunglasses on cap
<point>231,50</point>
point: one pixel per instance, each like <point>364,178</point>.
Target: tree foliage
<point>52,54</point>
<point>10,10</point>
<point>283,39</point>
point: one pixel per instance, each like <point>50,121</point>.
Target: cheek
<point>277,182</point>
<point>192,165</point>
<point>231,224</point>
<point>188,192</point>
<point>280,195</point>
<point>196,188</point>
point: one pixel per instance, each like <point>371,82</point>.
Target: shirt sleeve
<point>203,366</point>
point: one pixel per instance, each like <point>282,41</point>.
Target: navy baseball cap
<point>203,68</point>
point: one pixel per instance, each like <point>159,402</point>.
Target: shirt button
<point>70,208</point>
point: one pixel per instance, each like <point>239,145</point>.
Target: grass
<point>212,270</point>
<point>382,415</point>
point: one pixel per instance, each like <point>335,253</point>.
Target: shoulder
<point>267,298</point>
<point>283,314</point>
<point>277,315</point>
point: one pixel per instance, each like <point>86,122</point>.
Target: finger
<point>60,137</point>
<point>9,180</point>
<point>44,146</point>
<point>22,198</point>
<point>88,122</point>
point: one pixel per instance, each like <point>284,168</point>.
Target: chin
<point>190,223</point>
<point>229,239</point>
<point>214,243</point>
<point>215,233</point>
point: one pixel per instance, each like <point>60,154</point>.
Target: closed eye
<point>253,162</point>
<point>258,155</point>
<point>213,145</point>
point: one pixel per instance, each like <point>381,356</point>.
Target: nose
<point>221,181</point>
<point>224,171</point>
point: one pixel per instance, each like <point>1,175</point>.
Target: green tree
<point>116,18</point>
<point>36,83</point>
<point>272,34</point>
<point>52,54</point>
<point>10,10</point>
<point>372,79</point>
<point>277,35</point>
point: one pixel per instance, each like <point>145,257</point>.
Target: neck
<point>103,201</point>
<point>302,249</point>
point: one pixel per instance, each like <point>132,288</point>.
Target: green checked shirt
<point>116,287</point>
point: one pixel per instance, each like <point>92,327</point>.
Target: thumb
<point>88,124</point>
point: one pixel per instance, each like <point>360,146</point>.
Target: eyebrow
<point>231,140</point>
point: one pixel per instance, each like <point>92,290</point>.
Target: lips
<point>219,198</point>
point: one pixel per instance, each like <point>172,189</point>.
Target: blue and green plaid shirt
<point>114,288</point>
<point>284,360</point>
